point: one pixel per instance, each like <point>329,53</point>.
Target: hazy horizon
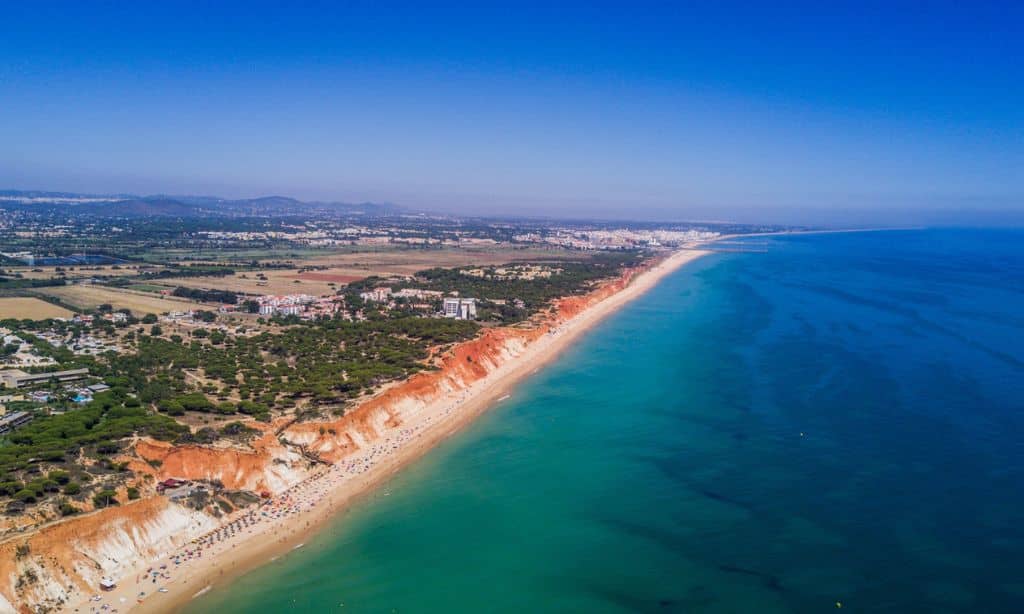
<point>865,116</point>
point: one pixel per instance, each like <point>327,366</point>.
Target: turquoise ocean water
<point>837,420</point>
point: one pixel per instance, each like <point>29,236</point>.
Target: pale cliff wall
<point>68,559</point>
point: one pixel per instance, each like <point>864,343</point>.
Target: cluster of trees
<point>251,306</point>
<point>211,296</point>
<point>109,417</point>
<point>324,362</point>
<point>189,271</point>
<point>327,360</point>
<point>38,487</point>
<point>16,282</point>
<point>60,354</point>
<point>197,401</point>
<point>56,442</point>
<point>26,325</point>
<point>208,434</point>
<point>574,277</point>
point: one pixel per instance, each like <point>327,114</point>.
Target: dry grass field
<point>30,308</point>
<point>345,268</point>
<point>81,272</point>
<point>278,282</point>
<point>89,296</point>
<point>409,261</point>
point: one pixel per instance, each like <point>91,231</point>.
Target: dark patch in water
<point>710,494</point>
<point>911,314</point>
<point>671,470</point>
<point>740,407</point>
<point>630,602</point>
<point>659,537</point>
<point>771,581</point>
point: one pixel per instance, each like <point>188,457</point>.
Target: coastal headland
<point>169,555</point>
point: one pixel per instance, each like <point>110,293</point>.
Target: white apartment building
<point>460,308</point>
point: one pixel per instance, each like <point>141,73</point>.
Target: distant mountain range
<point>160,205</point>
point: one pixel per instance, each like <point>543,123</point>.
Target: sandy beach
<point>255,537</point>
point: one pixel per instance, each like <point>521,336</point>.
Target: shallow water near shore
<point>836,420</point>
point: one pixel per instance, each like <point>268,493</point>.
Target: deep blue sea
<point>837,421</point>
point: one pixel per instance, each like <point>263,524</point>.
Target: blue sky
<point>879,113</point>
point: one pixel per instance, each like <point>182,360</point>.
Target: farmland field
<point>76,272</point>
<point>30,308</point>
<point>277,282</point>
<point>409,261</point>
<point>240,256</point>
<point>89,296</point>
<point>342,268</point>
<point>144,287</point>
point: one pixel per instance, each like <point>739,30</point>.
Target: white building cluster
<point>384,294</point>
<point>287,305</point>
<point>526,272</point>
<point>302,305</point>
<point>83,344</point>
<point>420,295</point>
<point>451,307</point>
<point>306,235</point>
<point>25,355</point>
<point>618,238</point>
<point>376,295</point>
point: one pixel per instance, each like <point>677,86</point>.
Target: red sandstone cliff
<point>69,557</point>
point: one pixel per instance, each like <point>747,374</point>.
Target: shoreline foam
<point>332,491</point>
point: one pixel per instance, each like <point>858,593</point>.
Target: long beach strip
<point>252,538</point>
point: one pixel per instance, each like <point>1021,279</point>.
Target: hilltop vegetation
<point>67,457</point>
<point>325,362</point>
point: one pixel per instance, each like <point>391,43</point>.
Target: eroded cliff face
<point>465,364</point>
<point>571,306</point>
<point>273,463</point>
<point>70,557</point>
<point>269,466</point>
<point>66,560</point>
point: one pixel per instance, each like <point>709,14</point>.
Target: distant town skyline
<point>879,114</point>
